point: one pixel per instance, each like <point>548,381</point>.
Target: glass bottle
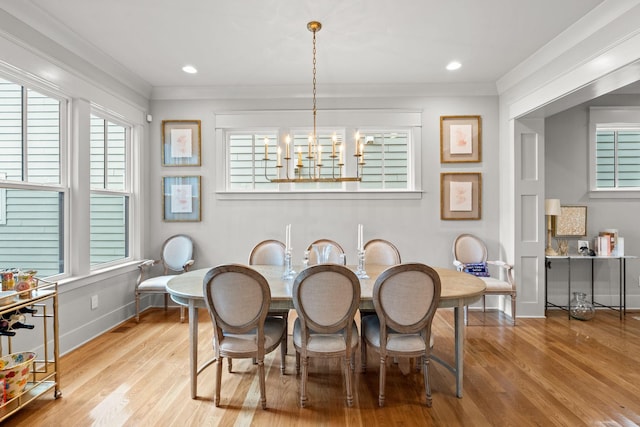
<point>580,308</point>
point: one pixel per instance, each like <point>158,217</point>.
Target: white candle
<point>319,155</point>
<point>357,142</point>
<point>360,245</point>
<point>287,237</point>
<point>287,141</point>
<point>340,160</point>
<point>333,146</point>
<point>266,148</point>
<point>279,154</point>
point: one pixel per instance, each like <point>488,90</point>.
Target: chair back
<point>335,254</point>
<point>267,252</point>
<point>406,297</point>
<point>237,298</point>
<point>176,251</point>
<point>381,252</point>
<point>468,249</point>
<point>326,297</point>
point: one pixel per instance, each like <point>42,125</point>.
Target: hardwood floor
<point>545,372</point>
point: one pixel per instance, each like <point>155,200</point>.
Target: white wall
<point>567,169</point>
<point>230,228</point>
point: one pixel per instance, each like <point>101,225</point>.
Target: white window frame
<point>611,118</point>
<point>409,121</point>
<point>126,191</point>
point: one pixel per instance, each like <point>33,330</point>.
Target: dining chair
<point>237,298</point>
<point>176,257</point>
<point>381,252</point>
<point>405,297</point>
<point>269,252</point>
<point>470,255</point>
<point>326,297</point>
<point>336,256</point>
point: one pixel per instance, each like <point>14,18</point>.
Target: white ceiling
<point>265,42</point>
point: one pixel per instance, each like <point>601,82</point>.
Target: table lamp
<point>551,208</point>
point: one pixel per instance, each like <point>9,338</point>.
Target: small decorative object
<point>479,269</point>
<point>580,308</point>
<point>563,247</point>
<point>323,252</point>
<point>181,198</point>
<point>460,195</point>
<point>181,143</point>
<point>14,370</point>
<point>460,139</point>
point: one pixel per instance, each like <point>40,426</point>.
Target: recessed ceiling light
<point>453,65</point>
<point>189,69</point>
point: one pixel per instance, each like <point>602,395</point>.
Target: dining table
<point>458,290</point>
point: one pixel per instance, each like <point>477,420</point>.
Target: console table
<point>622,262</point>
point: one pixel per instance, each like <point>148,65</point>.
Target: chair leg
<point>513,309</point>
<point>303,382</point>
<point>427,383</point>
<point>297,363</point>
<point>182,314</point>
<point>466,315</point>
<point>166,301</point>
<point>137,307</point>
<point>484,303</point>
<point>363,354</point>
<point>229,364</point>
<point>383,373</point>
<point>347,377</point>
<point>286,331</point>
<point>283,353</point>
<point>263,398</point>
<point>218,381</point>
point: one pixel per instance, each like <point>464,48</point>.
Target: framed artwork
<point>460,139</point>
<point>572,222</point>
<point>460,195</point>
<point>181,198</point>
<point>181,143</point>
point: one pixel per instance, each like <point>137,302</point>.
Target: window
<point>109,212</point>
<point>31,184</point>
<point>618,158</point>
<point>615,150</point>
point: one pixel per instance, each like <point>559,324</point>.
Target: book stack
<point>606,242</point>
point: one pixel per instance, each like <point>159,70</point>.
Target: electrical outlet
<point>94,302</point>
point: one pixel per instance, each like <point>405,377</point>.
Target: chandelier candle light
<point>314,155</point>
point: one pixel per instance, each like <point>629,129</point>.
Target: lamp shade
<point>552,207</point>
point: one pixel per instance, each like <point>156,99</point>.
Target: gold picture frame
<point>460,139</point>
<point>460,195</point>
<point>572,222</point>
<point>181,143</point>
<point>181,200</point>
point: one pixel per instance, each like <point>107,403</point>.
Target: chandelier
<point>309,166</point>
